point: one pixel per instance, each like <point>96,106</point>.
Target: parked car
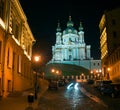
<point>112,89</point>
<point>96,83</point>
<point>61,82</point>
<point>90,81</point>
<point>53,84</point>
<point>103,83</point>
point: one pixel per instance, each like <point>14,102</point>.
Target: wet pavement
<point>71,99</point>
<point>84,98</point>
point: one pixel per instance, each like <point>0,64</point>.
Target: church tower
<point>58,35</point>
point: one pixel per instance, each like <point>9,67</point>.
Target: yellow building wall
<point>15,81</point>
<point>115,72</point>
<point>16,49</point>
<point>2,34</point>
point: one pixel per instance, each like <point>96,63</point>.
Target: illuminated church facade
<point>70,47</point>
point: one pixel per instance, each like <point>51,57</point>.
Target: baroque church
<point>70,47</point>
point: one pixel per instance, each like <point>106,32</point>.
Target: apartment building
<point>110,43</point>
<point>16,41</point>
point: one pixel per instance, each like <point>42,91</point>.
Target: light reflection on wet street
<point>67,99</point>
<point>74,97</point>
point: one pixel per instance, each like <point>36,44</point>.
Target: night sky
<point>43,17</point>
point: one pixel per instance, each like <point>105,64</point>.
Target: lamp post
<point>36,60</point>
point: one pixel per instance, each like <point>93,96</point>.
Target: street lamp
<point>36,60</point>
<point>108,70</point>
<point>56,72</point>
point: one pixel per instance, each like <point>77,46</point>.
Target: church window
<point>70,57</point>
<point>70,50</point>
<point>70,39</point>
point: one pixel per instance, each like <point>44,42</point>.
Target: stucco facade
<point>16,41</point>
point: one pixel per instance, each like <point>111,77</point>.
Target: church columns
<point>77,53</point>
<point>66,54</point>
<point>88,51</point>
<point>74,53</point>
<point>63,55</point>
<point>82,50</point>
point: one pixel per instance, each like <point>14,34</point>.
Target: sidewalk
<point>18,101</point>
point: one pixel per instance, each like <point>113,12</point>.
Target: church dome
<point>80,27</point>
<point>70,28</point>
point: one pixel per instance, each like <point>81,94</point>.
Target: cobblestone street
<point>70,100</point>
<point>63,99</point>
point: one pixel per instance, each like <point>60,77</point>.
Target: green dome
<point>70,28</point>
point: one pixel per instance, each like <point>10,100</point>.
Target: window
<point>70,39</point>
<point>15,29</point>
<point>13,62</point>
<point>25,70</point>
<point>70,57</point>
<point>8,57</point>
<point>19,63</point>
<point>9,86</point>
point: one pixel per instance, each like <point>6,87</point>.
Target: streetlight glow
<point>57,72</point>
<point>108,69</point>
<point>37,58</point>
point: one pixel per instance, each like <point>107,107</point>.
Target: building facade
<point>110,43</point>
<point>70,48</point>
<point>16,41</point>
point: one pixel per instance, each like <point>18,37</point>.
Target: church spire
<point>80,27</point>
<point>58,27</point>
<point>69,18</point>
<point>70,23</point>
